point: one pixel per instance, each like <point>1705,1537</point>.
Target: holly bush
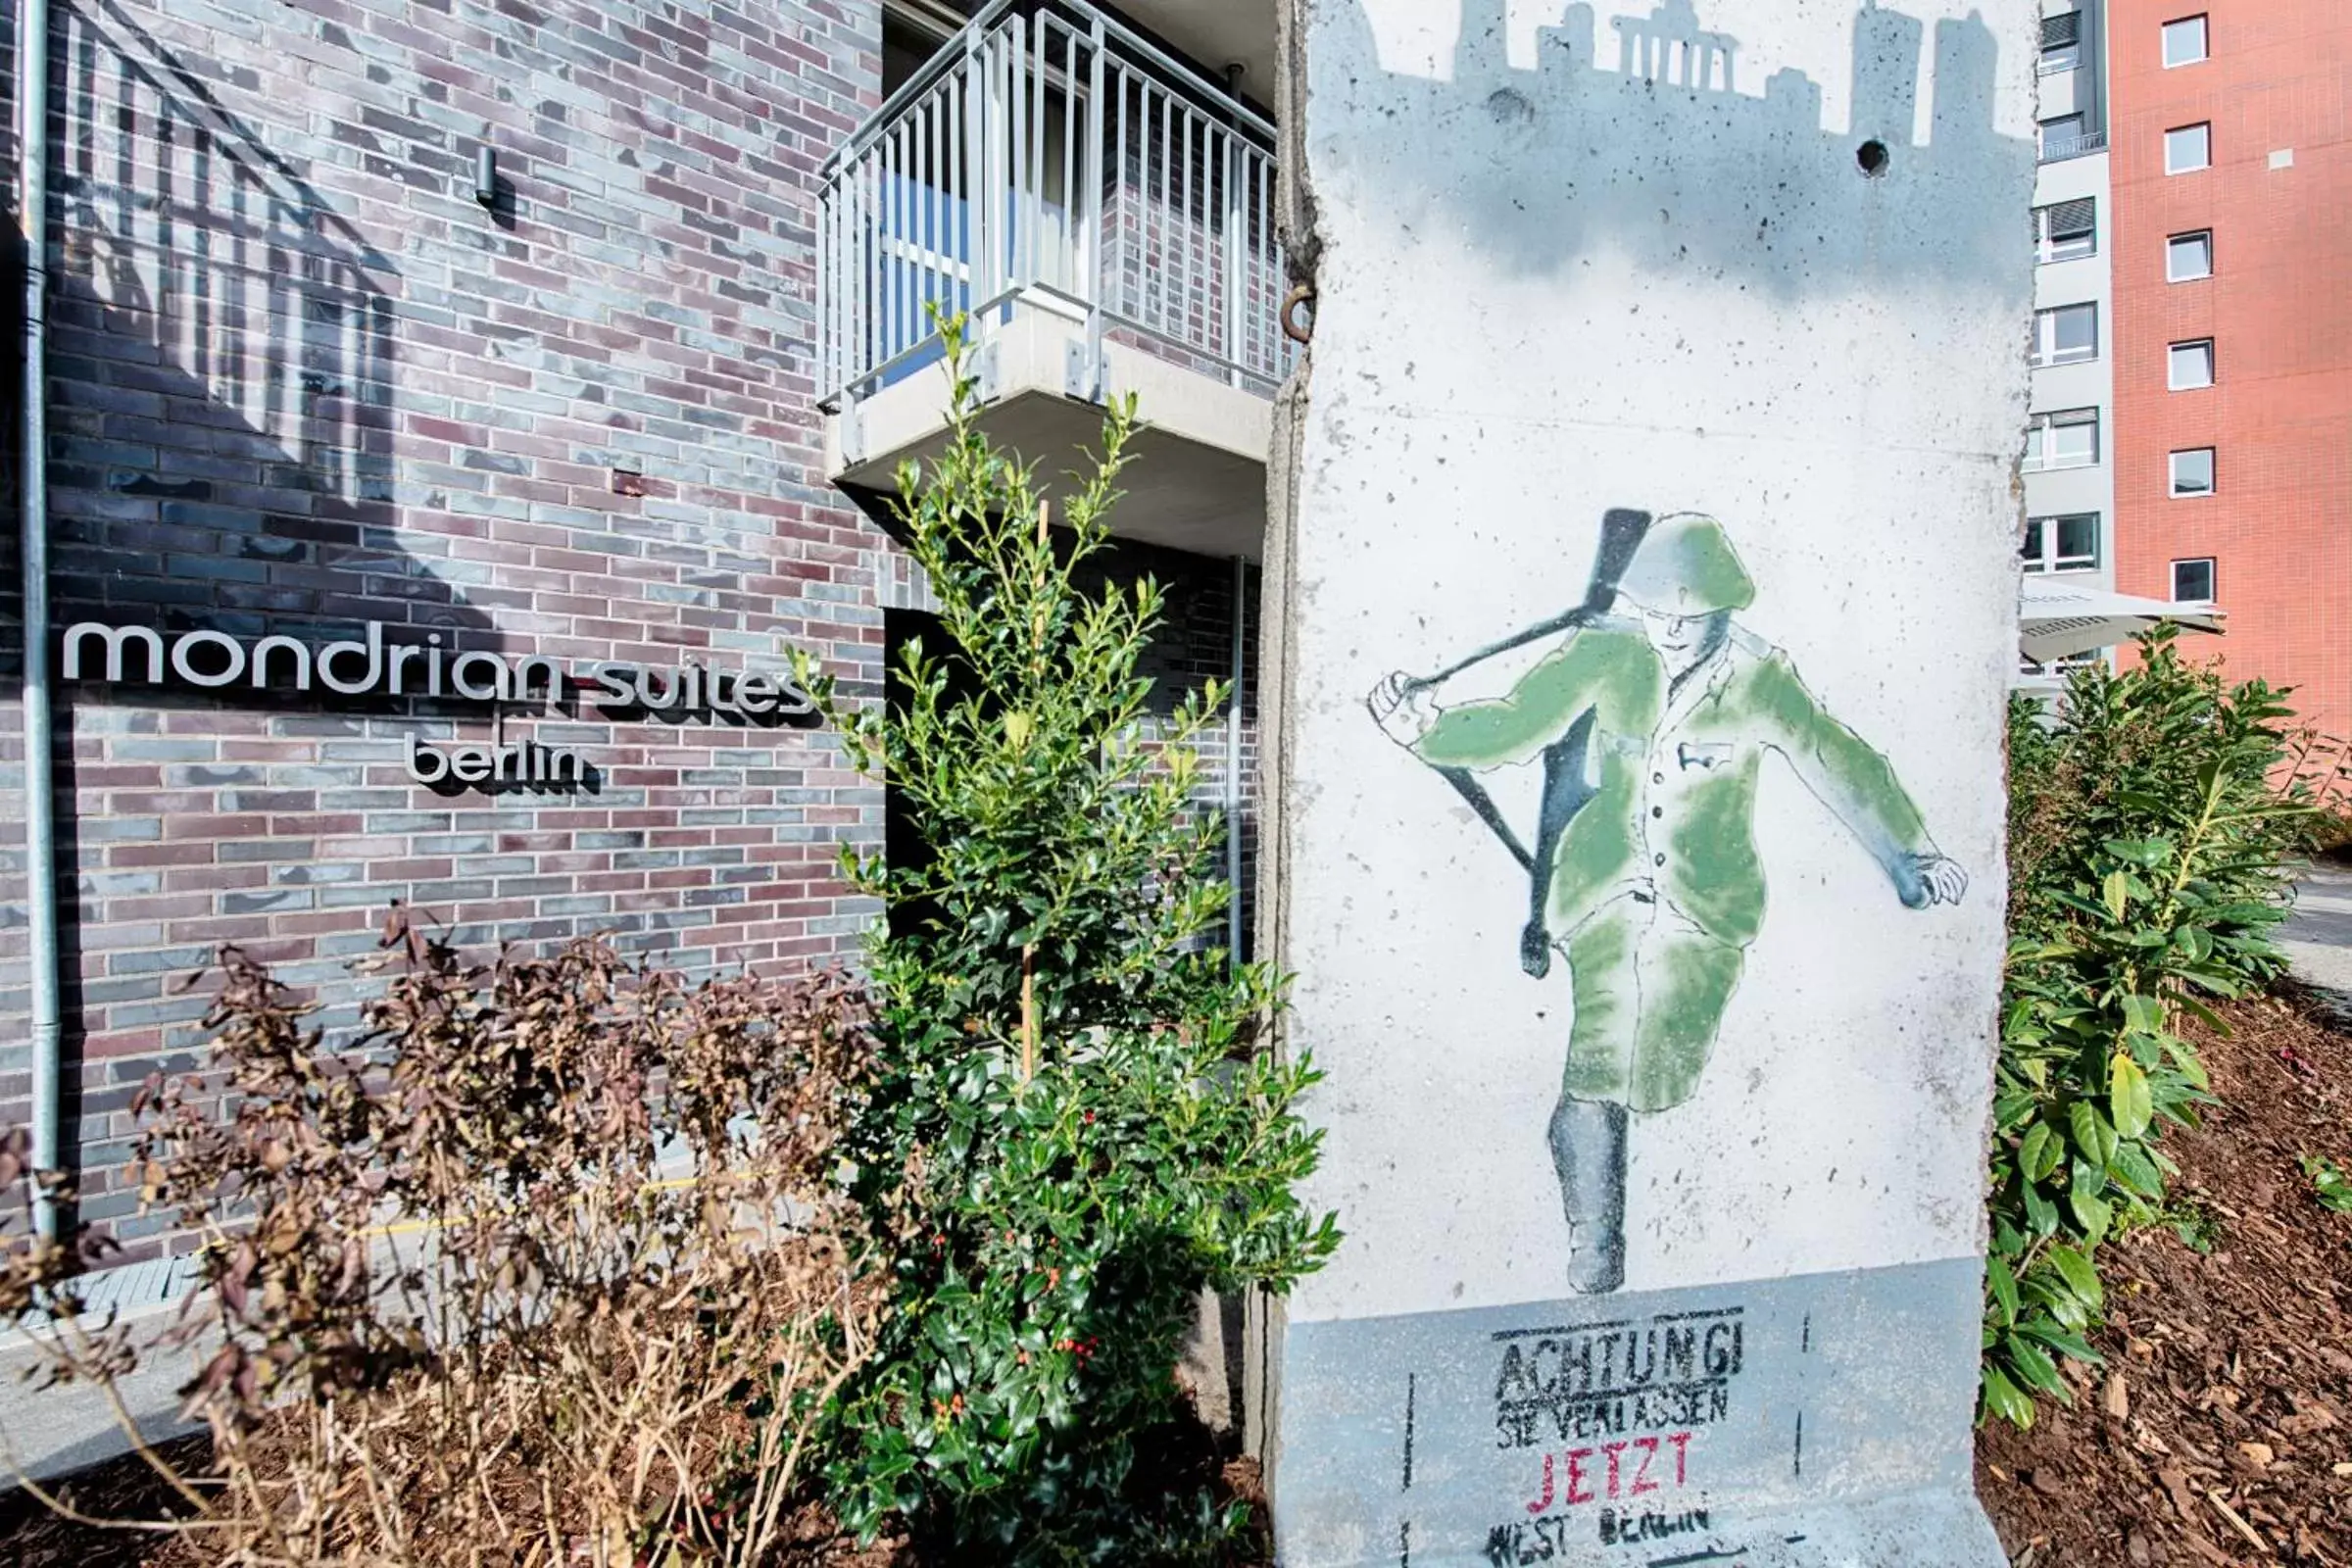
<point>1077,1121</point>
<point>2153,823</point>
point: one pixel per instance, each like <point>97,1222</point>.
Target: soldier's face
<point>1677,638</point>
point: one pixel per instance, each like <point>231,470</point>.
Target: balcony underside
<point>1198,480</point>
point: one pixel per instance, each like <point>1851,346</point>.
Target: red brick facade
<point>2276,90</point>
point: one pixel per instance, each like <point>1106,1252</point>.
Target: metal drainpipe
<point>1233,767</point>
<point>32,514</point>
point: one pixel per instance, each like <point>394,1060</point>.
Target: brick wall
<point>302,382</point>
<point>2279,524</point>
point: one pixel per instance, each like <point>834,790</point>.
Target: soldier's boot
<point>1587,1148</point>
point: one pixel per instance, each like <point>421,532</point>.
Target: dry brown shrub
<point>551,1266</point>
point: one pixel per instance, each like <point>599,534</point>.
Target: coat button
<point>1657,810</point>
<point>1657,859</point>
<point>1657,778</point>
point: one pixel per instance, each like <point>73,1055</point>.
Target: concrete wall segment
<point>1549,286</point>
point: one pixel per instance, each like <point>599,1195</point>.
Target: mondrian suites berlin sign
<point>370,666</point>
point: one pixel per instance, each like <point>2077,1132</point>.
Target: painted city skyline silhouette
<point>1665,152</point>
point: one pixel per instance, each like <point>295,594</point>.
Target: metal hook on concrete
<point>1303,294</point>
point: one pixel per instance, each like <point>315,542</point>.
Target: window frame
<point>2060,44</point>
<point>2172,243</point>
<point>2164,40</point>
<point>2049,560</point>
<point>2203,125</point>
<point>2172,365</point>
<point>2172,473</point>
<point>2045,351</point>
<point>2046,240</point>
<point>2060,665</point>
<point>2039,447</point>
<point>2213,580</point>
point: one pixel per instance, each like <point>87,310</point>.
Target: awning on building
<point>2059,616</point>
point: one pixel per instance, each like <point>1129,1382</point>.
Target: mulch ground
<point>2220,1429</point>
<point>2218,1432</point>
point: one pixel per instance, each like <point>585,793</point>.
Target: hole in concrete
<point>1872,156</point>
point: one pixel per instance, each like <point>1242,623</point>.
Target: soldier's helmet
<point>1686,566</point>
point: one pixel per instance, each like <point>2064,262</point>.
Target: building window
<point>910,37</point>
<point>2189,257</point>
<point>2183,41</point>
<point>2066,438</point>
<point>2187,149</point>
<point>2192,471</point>
<point>2066,231</point>
<point>2061,42</point>
<point>2192,581</point>
<point>2069,543</point>
<point>2190,366</point>
<point>2066,335</point>
<point>2059,666</point>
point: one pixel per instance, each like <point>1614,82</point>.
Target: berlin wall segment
<point>1641,864</point>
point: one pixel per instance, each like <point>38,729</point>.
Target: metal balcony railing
<point>2057,149</point>
<point>1050,152</point>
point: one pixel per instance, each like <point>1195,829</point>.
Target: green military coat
<point>1675,778</point>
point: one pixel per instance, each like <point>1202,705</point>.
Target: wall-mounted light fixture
<point>485,177</point>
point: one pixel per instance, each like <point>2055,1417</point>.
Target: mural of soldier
<point>1652,728</point>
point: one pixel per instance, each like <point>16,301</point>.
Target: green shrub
<point>2152,825</point>
<point>2329,1183</point>
<point>1077,1121</point>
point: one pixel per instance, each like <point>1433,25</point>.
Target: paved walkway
<point>48,1432</point>
<point>2318,936</point>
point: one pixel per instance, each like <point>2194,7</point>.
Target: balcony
<point>1105,216</point>
<point>2059,146</point>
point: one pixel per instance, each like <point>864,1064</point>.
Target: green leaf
<point>2115,893</point>
<point>2146,853</point>
<point>2038,1152</point>
<point>2002,1398</point>
<point>2064,1343</point>
<point>2040,1214</point>
<point>2080,1277</point>
<point>2035,1368</point>
<point>2003,1286</point>
<point>2329,1183</point>
<point>2134,1171</point>
<point>2094,1135</point>
<point>2144,1012</point>
<point>2130,1102</point>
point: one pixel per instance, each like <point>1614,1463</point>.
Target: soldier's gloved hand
<point>1931,878</point>
<point>1400,705</point>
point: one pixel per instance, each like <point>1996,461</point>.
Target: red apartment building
<point>2232,165</point>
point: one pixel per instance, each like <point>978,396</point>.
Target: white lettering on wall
<point>212,659</point>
